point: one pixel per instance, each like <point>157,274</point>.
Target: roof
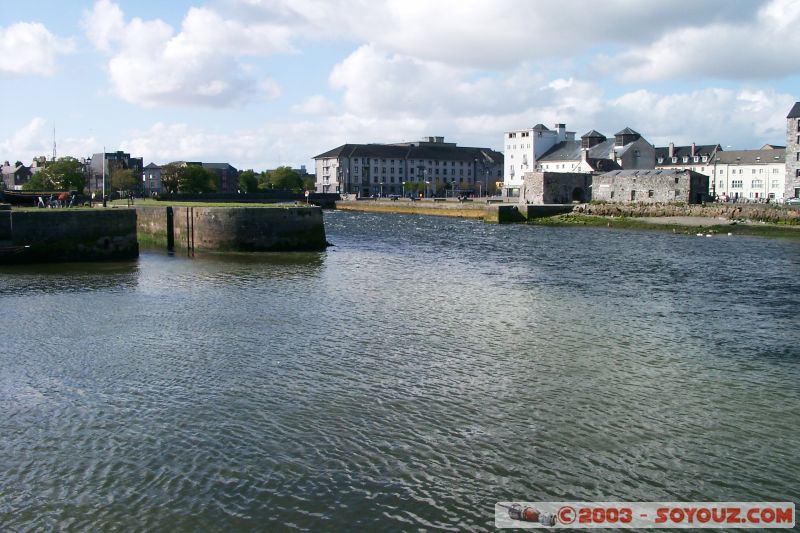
<point>772,147</point>
<point>685,151</point>
<point>571,151</point>
<point>752,157</point>
<point>627,131</point>
<point>433,151</point>
<point>795,112</point>
<point>592,134</point>
<point>646,172</point>
<point>152,165</point>
<point>540,127</point>
<point>218,166</point>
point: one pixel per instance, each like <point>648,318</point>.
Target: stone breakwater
<point>56,235</point>
<point>232,229</point>
<point>756,212</point>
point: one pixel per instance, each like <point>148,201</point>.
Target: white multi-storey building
<point>754,175</point>
<point>523,148</point>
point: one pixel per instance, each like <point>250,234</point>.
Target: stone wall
<point>420,207</point>
<point>649,188</point>
<point>53,235</point>
<point>555,187</point>
<point>756,212</point>
<point>235,229</point>
<point>792,157</point>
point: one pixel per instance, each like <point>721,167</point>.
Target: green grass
<point>155,203</point>
<point>761,230</point>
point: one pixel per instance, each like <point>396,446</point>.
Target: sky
<point>263,83</point>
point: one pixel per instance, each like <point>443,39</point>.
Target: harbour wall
<point>496,212</point>
<point>56,235</point>
<point>232,229</point>
<point>771,213</point>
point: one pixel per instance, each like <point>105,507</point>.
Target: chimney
<point>561,129</point>
<point>672,149</point>
<point>694,148</point>
<point>584,154</point>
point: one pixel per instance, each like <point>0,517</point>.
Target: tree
<point>248,181</point>
<point>169,177</point>
<point>66,174</point>
<point>194,178</point>
<point>310,182</point>
<point>285,178</point>
<point>123,179</point>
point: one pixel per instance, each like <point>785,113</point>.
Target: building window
<point>721,183</point>
<point>633,195</point>
<point>650,193</point>
<point>705,159</point>
<point>736,184</point>
<point>696,159</point>
<point>677,193</point>
<point>674,159</point>
<point>676,180</point>
<point>756,184</point>
<point>774,184</point>
<point>612,195</point>
<point>660,160</point>
<point>685,159</point>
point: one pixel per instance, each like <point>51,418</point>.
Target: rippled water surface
<point>408,378</point>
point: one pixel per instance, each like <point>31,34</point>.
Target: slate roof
<point>795,112</point>
<point>540,127</point>
<point>433,151</point>
<point>218,166</point>
<point>681,151</point>
<point>627,131</point>
<point>752,157</point>
<point>152,166</point>
<point>571,151</point>
<point>645,172</point>
<point>592,134</point>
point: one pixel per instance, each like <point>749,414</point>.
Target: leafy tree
<point>284,178</point>
<point>169,177</point>
<point>38,182</point>
<point>194,178</point>
<point>248,182</point>
<point>66,174</point>
<point>123,179</point>
<point>310,183</point>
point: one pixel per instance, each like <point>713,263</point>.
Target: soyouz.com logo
<point>641,515</point>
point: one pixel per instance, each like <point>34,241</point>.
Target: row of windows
<point>514,147</point>
<point>418,180</point>
<point>754,184</point>
<point>382,170</point>
<point>685,158</point>
<point>375,160</point>
<point>775,170</point>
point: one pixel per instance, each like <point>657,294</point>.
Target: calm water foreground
<point>408,378</point>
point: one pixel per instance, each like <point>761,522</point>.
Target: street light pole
<point>404,189</point>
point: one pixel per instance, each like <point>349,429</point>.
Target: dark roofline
<point>795,112</point>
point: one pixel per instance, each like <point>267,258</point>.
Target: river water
<point>414,374</point>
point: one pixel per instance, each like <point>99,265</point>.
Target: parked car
<point>792,201</point>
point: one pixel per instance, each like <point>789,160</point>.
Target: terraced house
<point>432,166</point>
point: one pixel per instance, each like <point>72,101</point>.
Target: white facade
<point>523,149</point>
<point>750,180</point>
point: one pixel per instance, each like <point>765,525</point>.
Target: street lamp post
<point>381,189</point>
<point>404,189</point>
<point>427,183</point>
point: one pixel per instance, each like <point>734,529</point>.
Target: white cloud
<point>36,139</point>
<point>761,47</point>
<point>490,35</point>
<point>315,105</point>
<point>725,116</point>
<point>201,65</point>
<point>28,48</point>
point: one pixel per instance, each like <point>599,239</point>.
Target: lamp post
<point>381,190</point>
<point>427,183</point>
<point>404,189</point>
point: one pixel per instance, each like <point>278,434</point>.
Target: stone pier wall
<point>234,229</point>
<point>53,235</point>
